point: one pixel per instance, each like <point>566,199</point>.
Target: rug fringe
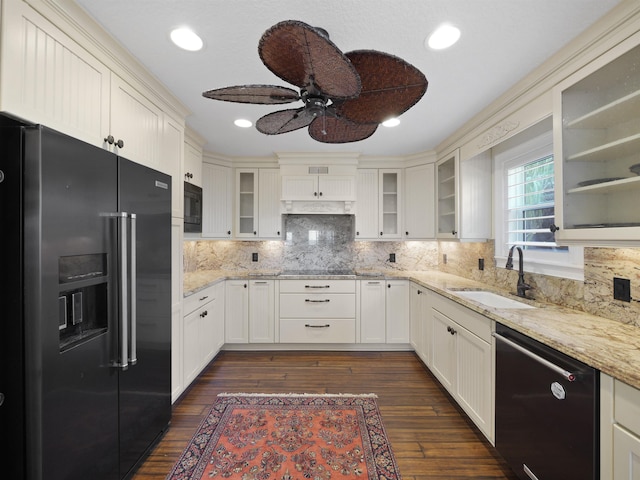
<point>355,395</point>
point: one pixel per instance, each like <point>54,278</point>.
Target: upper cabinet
<point>475,197</point>
<point>257,203</point>
<point>322,186</point>
<point>193,158</point>
<point>447,196</point>
<point>217,200</point>
<point>379,212</point>
<point>419,201</point>
<point>597,145</point>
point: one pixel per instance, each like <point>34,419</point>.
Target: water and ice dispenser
<point>82,299</point>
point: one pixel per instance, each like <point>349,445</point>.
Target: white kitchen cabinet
<point>462,359</point>
<point>420,322</point>
<point>475,197</point>
<point>620,430</point>
<point>177,383</point>
<point>269,216</point>
<point>262,312</point>
<point>397,311</point>
<point>317,311</point>
<point>447,196</point>
<point>379,204</point>
<point>373,320</point>
<point>217,200</point>
<point>135,125</point>
<point>258,203</point>
<point>193,162</point>
<point>246,203</point>
<point>318,187</point>
<point>203,330</point>
<point>236,319</point>
<point>419,203</point>
<point>596,143</point>
<point>47,78</point>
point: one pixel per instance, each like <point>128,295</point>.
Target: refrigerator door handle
<point>133,358</point>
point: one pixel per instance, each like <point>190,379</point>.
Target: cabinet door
<point>367,204</point>
<point>419,212</point>
<point>191,353</point>
<point>269,217</point>
<point>299,187</point>
<point>210,326</point>
<point>447,196</point>
<point>626,455</point>
<point>193,164</point>
<point>216,201</point>
<point>474,385</point>
<point>137,122</point>
<point>373,311</point>
<point>217,311</point>
<point>443,346</point>
<point>236,320</point>
<point>475,197</point>
<point>415,319</point>
<point>262,313</point>
<point>397,311</point>
<point>177,384</point>
<point>47,78</point>
<point>390,203</point>
<point>336,187</point>
<point>246,203</point>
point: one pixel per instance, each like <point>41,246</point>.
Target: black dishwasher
<point>547,410</point>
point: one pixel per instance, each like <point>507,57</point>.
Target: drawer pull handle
<point>317,326</point>
<point>317,286</point>
<point>317,301</point>
<point>203,298</point>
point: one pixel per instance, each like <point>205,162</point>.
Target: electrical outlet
<point>254,257</point>
<point>481,264</point>
<point>444,258</point>
<point>622,289</point>
<point>392,257</point>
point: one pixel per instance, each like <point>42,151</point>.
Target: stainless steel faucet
<point>522,285</point>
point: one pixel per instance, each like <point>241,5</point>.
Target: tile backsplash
<point>326,242</point>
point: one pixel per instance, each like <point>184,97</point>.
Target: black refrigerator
<point>85,339</point>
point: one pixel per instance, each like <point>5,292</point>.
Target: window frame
<point>569,264</point>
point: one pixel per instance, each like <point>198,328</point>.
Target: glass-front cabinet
<point>597,150</point>
<point>247,203</point>
<point>447,201</point>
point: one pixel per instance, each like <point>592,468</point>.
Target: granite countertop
<point>611,347</point>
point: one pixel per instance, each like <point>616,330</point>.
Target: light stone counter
<point>610,346</point>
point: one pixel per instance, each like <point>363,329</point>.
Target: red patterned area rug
<point>289,437</point>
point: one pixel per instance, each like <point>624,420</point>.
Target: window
<point>525,205</point>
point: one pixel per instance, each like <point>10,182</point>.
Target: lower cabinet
<point>203,333</point>
<point>462,359</point>
<point>420,322</point>
<point>262,311</point>
<point>373,320</point>
<point>620,430</point>
<point>236,318</point>
<point>317,311</point>
<point>397,311</point>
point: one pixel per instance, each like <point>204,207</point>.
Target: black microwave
<point>192,208</point>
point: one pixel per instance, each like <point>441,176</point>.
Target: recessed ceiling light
<point>444,36</point>
<point>186,39</point>
<point>241,122</point>
<point>392,122</point>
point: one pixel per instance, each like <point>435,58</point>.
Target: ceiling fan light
<point>391,122</point>
<point>443,37</point>
<point>242,123</point>
<point>186,39</point>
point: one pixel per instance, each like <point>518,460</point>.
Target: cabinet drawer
<point>196,300</point>
<point>317,286</point>
<point>627,406</point>
<point>326,305</point>
<point>477,324</point>
<point>318,331</point>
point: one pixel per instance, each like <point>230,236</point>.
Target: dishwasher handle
<point>566,374</point>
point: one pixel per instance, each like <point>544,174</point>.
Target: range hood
<point>318,207</point>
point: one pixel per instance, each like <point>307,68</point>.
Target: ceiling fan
<point>345,95</point>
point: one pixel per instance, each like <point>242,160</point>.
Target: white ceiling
<point>502,41</point>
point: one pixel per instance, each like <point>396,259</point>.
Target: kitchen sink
<point>491,299</point>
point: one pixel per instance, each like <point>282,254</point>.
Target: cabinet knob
<point>419,292</point>
<point>381,233</point>
<point>110,139</point>
<point>357,233</point>
<point>388,285</point>
<point>278,233</point>
<point>315,194</point>
<point>254,232</point>
<point>453,232</point>
<point>406,233</point>
<point>119,143</point>
<point>245,285</point>
<point>228,232</point>
<point>320,193</point>
<point>553,228</point>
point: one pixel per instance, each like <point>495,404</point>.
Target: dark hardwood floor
<point>430,437</point>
